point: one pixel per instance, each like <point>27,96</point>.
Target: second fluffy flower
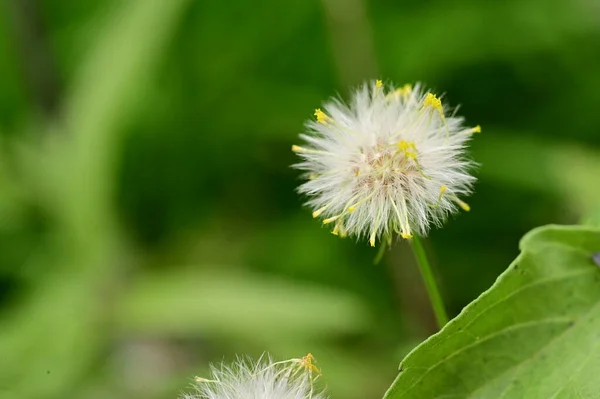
<point>392,161</point>
<point>264,379</point>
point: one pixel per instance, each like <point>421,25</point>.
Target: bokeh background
<point>148,219</point>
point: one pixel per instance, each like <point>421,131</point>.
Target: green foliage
<point>57,324</point>
<point>533,334</point>
<point>149,224</point>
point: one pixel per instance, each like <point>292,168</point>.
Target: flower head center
<point>385,165</point>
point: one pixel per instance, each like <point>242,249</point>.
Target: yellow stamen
<point>352,207</point>
<point>404,145</point>
<point>403,91</point>
<point>463,205</point>
<point>312,176</point>
<point>443,189</point>
<point>434,102</point>
<point>321,116</point>
<point>408,149</point>
<point>338,230</point>
<point>375,229</point>
<point>200,379</point>
<point>476,129</point>
<point>406,236</point>
<point>378,84</point>
<point>297,148</point>
<point>308,362</point>
<point>400,219</point>
<point>318,212</point>
<point>411,155</point>
<point>404,225</point>
<point>331,219</point>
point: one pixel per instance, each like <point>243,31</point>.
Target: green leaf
<point>534,334</point>
<point>56,334</point>
<point>564,170</point>
<point>110,80</point>
<point>242,306</point>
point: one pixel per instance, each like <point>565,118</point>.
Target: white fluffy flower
<point>392,161</point>
<point>264,379</point>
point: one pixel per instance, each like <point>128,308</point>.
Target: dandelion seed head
<point>388,162</point>
<point>263,379</point>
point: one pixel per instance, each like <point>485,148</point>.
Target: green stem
<point>380,253</point>
<point>432,289</point>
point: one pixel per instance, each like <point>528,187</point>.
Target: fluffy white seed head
<point>391,161</point>
<point>263,379</point>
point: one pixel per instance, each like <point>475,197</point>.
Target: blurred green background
<point>148,219</point>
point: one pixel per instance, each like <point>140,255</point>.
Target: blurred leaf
<point>12,210</point>
<point>593,219</point>
<point>533,334</point>
<point>470,31</point>
<point>56,332</point>
<point>239,306</point>
<point>12,96</point>
<point>565,170</point>
<point>110,80</point>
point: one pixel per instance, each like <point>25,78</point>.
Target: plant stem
<point>380,253</point>
<point>432,289</point>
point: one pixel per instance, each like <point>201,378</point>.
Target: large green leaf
<point>534,334</point>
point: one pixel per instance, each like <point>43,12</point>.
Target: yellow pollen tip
<point>404,145</point>
<point>378,84</point>
<point>200,379</point>
<point>406,236</point>
<point>308,362</point>
<point>297,148</point>
<point>433,101</point>
<point>463,205</point>
<point>443,189</point>
<point>476,129</point>
<point>335,231</point>
<point>403,91</point>
<point>331,219</point>
<point>372,241</point>
<point>318,212</point>
<point>321,116</point>
<point>351,208</point>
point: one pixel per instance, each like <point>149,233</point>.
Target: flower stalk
<point>430,284</point>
